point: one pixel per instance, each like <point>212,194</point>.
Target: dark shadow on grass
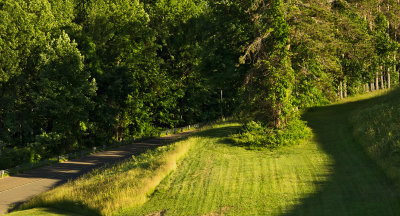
<point>61,212</point>
<point>226,138</point>
<point>225,135</point>
<point>356,186</point>
<point>218,132</point>
<point>48,211</point>
<point>68,207</point>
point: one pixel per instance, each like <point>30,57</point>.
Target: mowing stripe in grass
<point>327,175</point>
<point>217,177</point>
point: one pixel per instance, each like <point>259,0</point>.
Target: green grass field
<point>330,174</point>
<point>218,178</point>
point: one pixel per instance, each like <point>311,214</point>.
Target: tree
<point>270,82</point>
<point>66,92</point>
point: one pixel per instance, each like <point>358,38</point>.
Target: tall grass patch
<point>377,128</point>
<point>107,190</point>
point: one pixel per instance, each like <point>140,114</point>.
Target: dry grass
<point>106,191</point>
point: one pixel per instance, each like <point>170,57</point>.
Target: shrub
<point>11,157</point>
<point>254,135</point>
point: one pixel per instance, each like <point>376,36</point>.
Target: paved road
<point>17,189</point>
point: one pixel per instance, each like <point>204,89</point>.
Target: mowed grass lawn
<point>219,178</point>
<point>329,174</point>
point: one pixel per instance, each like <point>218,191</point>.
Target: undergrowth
<point>254,135</point>
<point>106,191</point>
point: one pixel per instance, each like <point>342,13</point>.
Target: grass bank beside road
<point>376,126</point>
<point>332,173</point>
<point>107,190</point>
<point>215,177</point>
<point>357,185</point>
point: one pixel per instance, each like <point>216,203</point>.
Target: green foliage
<point>99,71</point>
<point>255,136</point>
<point>14,156</point>
<point>64,100</point>
<point>270,82</point>
<point>46,144</point>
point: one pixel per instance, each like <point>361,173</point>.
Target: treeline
<point>310,52</point>
<point>77,73</point>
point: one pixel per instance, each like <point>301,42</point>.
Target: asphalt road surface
<point>17,189</point>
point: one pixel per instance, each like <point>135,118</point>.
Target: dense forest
<point>74,74</point>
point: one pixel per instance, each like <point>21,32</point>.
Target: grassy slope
<point>105,191</point>
<point>357,185</point>
<point>218,178</point>
<point>329,175</point>
<point>377,128</point>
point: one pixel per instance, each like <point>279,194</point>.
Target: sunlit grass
<point>329,174</point>
<point>105,191</point>
<point>364,96</point>
<point>219,178</point>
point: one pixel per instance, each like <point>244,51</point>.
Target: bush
<point>11,157</point>
<point>254,135</point>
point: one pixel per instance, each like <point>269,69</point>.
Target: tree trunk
<point>382,82</point>
<point>372,86</point>
<point>278,118</point>
<point>388,78</point>
<point>341,90</point>
<point>394,66</point>
<point>345,87</point>
<point>377,81</point>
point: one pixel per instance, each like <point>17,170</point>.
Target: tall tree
<point>270,81</point>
